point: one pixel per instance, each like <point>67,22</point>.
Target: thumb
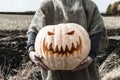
<point>32,55</point>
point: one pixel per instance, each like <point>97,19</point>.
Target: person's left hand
<point>84,64</point>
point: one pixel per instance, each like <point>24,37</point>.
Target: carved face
<point>63,46</point>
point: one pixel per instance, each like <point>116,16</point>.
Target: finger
<point>84,61</point>
<point>39,55</point>
<point>90,59</point>
<point>32,57</point>
<point>43,66</point>
<point>40,63</point>
<point>81,66</point>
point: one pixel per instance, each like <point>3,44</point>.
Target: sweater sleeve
<point>95,40</point>
<point>95,25</point>
<point>38,21</point>
<point>31,41</point>
<point>95,22</point>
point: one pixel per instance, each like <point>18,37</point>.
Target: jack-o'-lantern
<point>62,46</point>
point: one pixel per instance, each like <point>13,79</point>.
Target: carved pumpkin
<point>62,46</point>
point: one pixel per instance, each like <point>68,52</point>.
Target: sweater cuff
<point>31,41</point>
<point>31,48</point>
<point>92,54</point>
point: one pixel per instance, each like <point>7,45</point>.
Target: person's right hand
<point>37,60</point>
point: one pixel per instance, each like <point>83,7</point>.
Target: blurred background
<point>32,5</point>
<point>15,18</point>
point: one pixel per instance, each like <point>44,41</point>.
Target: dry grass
<point>112,75</point>
<point>19,22</point>
<point>110,68</point>
<point>28,72</point>
<point>112,22</point>
<point>14,22</point>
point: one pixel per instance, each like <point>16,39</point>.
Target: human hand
<point>37,60</point>
<point>84,64</point>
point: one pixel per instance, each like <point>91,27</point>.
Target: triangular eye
<point>50,33</point>
<point>70,33</point>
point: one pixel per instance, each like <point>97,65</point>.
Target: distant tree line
<point>20,13</point>
<point>113,9</point>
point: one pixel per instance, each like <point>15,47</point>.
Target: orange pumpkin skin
<point>62,46</point>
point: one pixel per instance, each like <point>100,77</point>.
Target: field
<point>20,22</point>
<point>14,22</point>
<point>112,22</point>
<point>15,64</point>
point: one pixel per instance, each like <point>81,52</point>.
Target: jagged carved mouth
<point>48,49</point>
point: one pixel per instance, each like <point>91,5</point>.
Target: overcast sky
<point>32,5</point>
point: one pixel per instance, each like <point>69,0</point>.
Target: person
<point>83,12</point>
